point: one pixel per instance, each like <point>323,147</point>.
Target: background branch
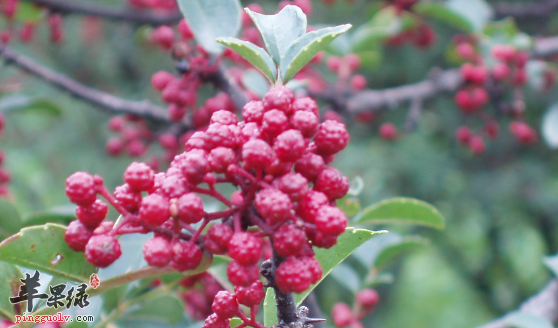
<point>523,10</point>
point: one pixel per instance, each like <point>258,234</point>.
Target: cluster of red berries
<point>274,157</point>
<point>26,31</point>
<point>345,68</point>
<point>200,290</point>
<point>4,174</point>
<point>344,316</point>
<point>165,37</point>
<point>421,36</point>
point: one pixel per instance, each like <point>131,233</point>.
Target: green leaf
<point>28,11</point>
<point>43,248</point>
<point>527,320</point>
<point>441,12</point>
<point>366,38</point>
<point>235,322</point>
<point>401,210</point>
<point>270,308</point>
<point>9,286</point>
<point>62,215</point>
<point>393,250</point>
<point>254,54</point>
<point>502,31</point>
<point>279,31</point>
<point>21,103</point>
<point>303,49</point>
<point>477,12</point>
<point>166,308</point>
<point>347,243</point>
<point>347,277</point>
<point>10,222</point>
<point>212,19</point>
<point>254,81</point>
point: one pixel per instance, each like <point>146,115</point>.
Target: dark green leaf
<point>347,243</point>
<point>28,12</point>
<point>62,215</point>
<point>270,308</point>
<point>212,19</point>
<point>503,31</point>
<point>527,320</point>
<point>254,54</point>
<point>167,308</point>
<point>440,11</point>
<point>303,49</point>
<point>280,30</point>
<point>21,103</point>
<point>401,210</point>
<point>10,222</point>
<point>9,286</point>
<point>43,248</point>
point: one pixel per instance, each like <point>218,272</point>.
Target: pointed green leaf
<point>63,215</point>
<point>254,54</point>
<point>401,210</point>
<point>280,30</point>
<point>527,320</point>
<point>303,49</point>
<point>10,222</point>
<point>391,251</point>
<point>211,19</point>
<point>270,308</point>
<point>441,12</point>
<point>9,286</point>
<point>43,248</point>
<point>165,308</point>
<point>347,243</point>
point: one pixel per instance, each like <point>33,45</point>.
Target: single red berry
<point>161,79</point>
<point>213,321</point>
<point>245,248</point>
<point>306,104</point>
<point>216,240</point>
<point>479,97</point>
<point>184,30</point>
<point>168,141</point>
<point>306,122</point>
<point>492,128</point>
<point>102,250</point>
<point>310,204</point>
<point>358,82</point>
<point>331,220</point>
<point>80,189</point>
<point>163,36</point>
<point>91,216</point>
<point>304,5</point>
<point>190,208</point>
<point>474,74</point>
<point>250,296</point>
<point>197,141</point>
<point>321,240</point>
<point>331,138</point>
<point>139,177</point>
<point>77,235</point>
<point>500,71</point>
<point>127,198</point>
<point>116,123</point>
<point>334,63</point>
<point>240,275</point>
<point>465,50</point>
<point>503,52</point>
<point>388,131</point>
<point>292,275</point>
<point>289,240</point>
<point>176,112</point>
<point>353,61</point>
<point>136,148</point>
<point>219,135</point>
<point>249,131</point>
<point>465,102</point>
<point>195,165</point>
<point>314,268</point>
<point>476,145</point>
<point>257,154</point>
<point>224,117</point>
<point>274,122</point>
<point>279,168</point>
<point>274,205</point>
<point>225,305</point>
<point>220,158</point>
<point>519,76</point>
<point>293,184</point>
<point>157,252</point>
<point>253,112</point>
<point>310,166</point>
<point>154,210</point>
<point>368,298</point>
<point>280,98</point>
<point>185,256</point>
<point>463,135</point>
<point>523,132</point>
<point>342,315</point>
<point>520,59</point>
<point>114,147</point>
<point>332,183</point>
<point>289,146</point>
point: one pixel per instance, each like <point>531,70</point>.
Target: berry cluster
<point>200,290</point>
<point>345,68</point>
<point>421,36</point>
<point>26,31</point>
<point>276,158</point>
<point>365,302</point>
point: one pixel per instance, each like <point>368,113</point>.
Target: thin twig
<point>525,10</point>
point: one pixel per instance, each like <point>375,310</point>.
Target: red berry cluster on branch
<point>200,290</point>
<point>345,316</point>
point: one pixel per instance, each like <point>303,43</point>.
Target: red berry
<point>342,315</point>
<point>331,220</point>
<point>139,177</point>
<point>103,228</point>
<point>280,98</point>
<point>225,305</point>
<point>253,112</point>
<point>476,145</point>
<point>314,267</point>
<point>216,240</point>
<point>474,74</point>
<point>463,135</point>
<point>220,158</point>
<point>333,63</point>
<point>127,198</point>
<point>289,240</point>
<point>168,141</point>
<point>523,132</point>
<point>190,208</point>
<point>240,275</point>
<point>310,166</point>
<point>292,275</point>
<point>332,183</point>
<point>321,240</point>
<point>195,165</point>
<point>224,117</point>
<point>292,184</point>
<point>500,71</point>
<point>306,104</point>
<point>388,131</point>
<point>503,52</point>
<point>213,321</point>
<point>274,205</point>
<point>77,235</point>
<point>80,189</point>
<point>306,122</point>
<point>257,154</point>
<point>114,146</point>
<point>274,122</point>
<point>219,135</point>
<point>465,50</point>
<point>353,61</point>
<point>91,216</point>
<point>479,97</point>
<point>368,298</point>
<point>245,248</point>
<point>102,250</point>
<point>331,138</point>
<point>157,251</point>
<point>161,79</point>
<point>521,58</point>
<point>185,256</point>
<point>358,82</point>
<point>519,76</point>
<point>279,168</point>
<point>154,210</point>
<point>310,204</point>
<point>116,123</point>
<point>465,102</point>
<point>250,296</point>
<point>289,146</point>
<point>304,5</point>
<point>163,36</point>
<point>249,131</point>
<point>492,128</point>
<point>176,112</point>
<point>184,30</point>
